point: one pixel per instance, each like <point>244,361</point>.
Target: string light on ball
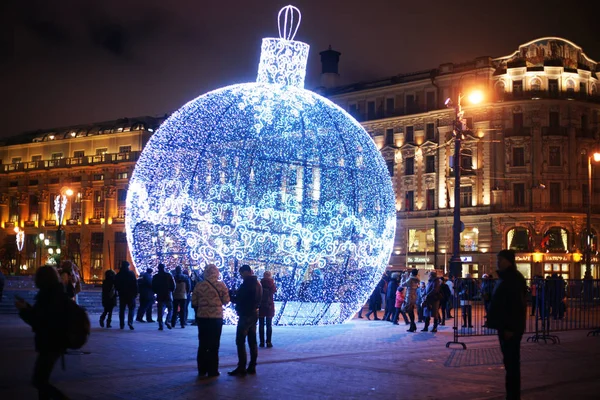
<point>271,175</point>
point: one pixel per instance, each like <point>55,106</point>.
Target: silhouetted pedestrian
<point>267,309</point>
<point>146,296</point>
<point>163,285</point>
<point>180,295</point>
<point>126,286</point>
<point>410,281</point>
<point>431,302</point>
<point>508,312</point>
<point>109,297</point>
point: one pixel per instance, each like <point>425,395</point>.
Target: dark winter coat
<point>467,289</point>
<point>126,285</point>
<point>392,287</point>
<point>182,286</point>
<point>267,305</point>
<point>248,297</point>
<point>508,309</point>
<point>163,285</point>
<point>109,293</point>
<point>145,287</point>
<point>487,288</point>
<point>445,291</point>
<point>47,318</point>
<point>375,299</point>
<point>432,297</point>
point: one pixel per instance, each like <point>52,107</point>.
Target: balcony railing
<point>396,112</point>
<point>547,94</point>
<point>546,207</point>
<point>523,131</point>
<point>71,162</point>
<point>554,131</point>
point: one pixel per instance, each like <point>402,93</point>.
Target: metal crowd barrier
<point>553,305</point>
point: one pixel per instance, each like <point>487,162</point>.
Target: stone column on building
<point>3,208</point>
<point>87,207</point>
<point>110,210</point>
<point>23,199</point>
<point>44,196</point>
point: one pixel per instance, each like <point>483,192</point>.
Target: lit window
<point>421,240</point>
<point>469,239</point>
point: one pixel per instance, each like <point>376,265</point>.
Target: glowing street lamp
<point>588,249</point>
<point>60,204</point>
<point>460,125</point>
<point>20,238</point>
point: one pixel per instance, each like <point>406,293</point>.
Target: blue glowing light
<point>271,175</point>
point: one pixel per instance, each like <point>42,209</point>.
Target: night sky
<point>71,61</point>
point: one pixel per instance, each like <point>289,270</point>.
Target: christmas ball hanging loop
<point>288,32</point>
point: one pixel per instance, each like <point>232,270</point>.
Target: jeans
<point>107,314</point>
<point>145,309</point>
<point>246,328</point>
<point>511,350</point>
<point>209,340</point>
<point>179,310</point>
<point>130,304</point>
<point>41,375</point>
<point>261,329</point>
<point>160,308</point>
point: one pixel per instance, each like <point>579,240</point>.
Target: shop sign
<point>557,258</point>
<point>523,257</point>
<point>419,260</point>
<point>466,258</point>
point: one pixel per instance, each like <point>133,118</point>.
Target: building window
<point>555,193</point>
<point>430,100</point>
<point>517,88</point>
<point>33,182</point>
<point>120,248</point>
<point>98,204</point>
<point>122,175</point>
<point>36,158</point>
<point>518,239</point>
<point>371,110</point>
<point>570,87</point>
<point>430,132</point>
<point>409,134</point>
<point>33,208</point>
<point>582,89</point>
<point>421,240</point>
<point>554,156</point>
<point>500,89</point>
<point>430,199</point>
<point>124,149</point>
<point>554,119</point>
<point>536,85</point>
<point>98,177</point>
<point>429,164</point>
<point>466,160</point>
<point>101,151</point>
<point>469,239</point>
<point>13,209</point>
<point>97,255</point>
<point>518,156</point>
<point>353,110</point>
<point>555,240</point>
<point>517,122</point>
<point>411,104</point>
<point>54,181</point>
<point>553,87</point>
<point>519,194</point>
<point>584,122</point>
<point>121,202</point>
<point>389,137</point>
<point>389,106</point>
<point>409,166</point>
<point>57,156</point>
<point>16,160</point>
<point>466,196</point>
<point>390,167</point>
<point>76,207</point>
<point>79,153</point>
<point>410,201</point>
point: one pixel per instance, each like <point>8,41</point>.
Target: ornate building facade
<point>524,164</point>
<point>91,165</point>
<point>524,160</point>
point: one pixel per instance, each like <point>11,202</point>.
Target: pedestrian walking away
<point>247,302</point>
<point>48,318</point>
<point>126,286</point>
<point>431,302</point>
<point>109,297</point>
<point>208,299</point>
<point>508,312</point>
<point>267,309</point>
<point>180,296</point>
<point>163,286</point>
<point>410,282</point>
<point>146,296</point>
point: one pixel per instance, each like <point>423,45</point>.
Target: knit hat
<point>508,255</point>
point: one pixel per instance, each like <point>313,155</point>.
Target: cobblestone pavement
<point>358,360</point>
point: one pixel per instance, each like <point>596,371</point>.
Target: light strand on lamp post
<point>60,203</point>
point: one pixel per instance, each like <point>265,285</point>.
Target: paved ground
<point>358,360</point>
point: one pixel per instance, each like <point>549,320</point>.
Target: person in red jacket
<point>399,300</point>
<point>266,311</point>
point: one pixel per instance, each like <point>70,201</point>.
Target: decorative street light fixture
<point>60,204</point>
<point>460,126</point>
<point>588,249</point>
<point>41,237</point>
<point>20,238</point>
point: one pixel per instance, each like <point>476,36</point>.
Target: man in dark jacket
<point>390,297</point>
<point>507,314</point>
<point>146,296</point>
<point>126,286</point>
<point>163,285</point>
<point>247,302</point>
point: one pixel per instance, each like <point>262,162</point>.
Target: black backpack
<point>77,325</point>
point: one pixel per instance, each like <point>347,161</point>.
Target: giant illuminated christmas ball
<point>271,175</point>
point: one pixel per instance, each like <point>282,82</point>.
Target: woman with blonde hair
<point>266,312</point>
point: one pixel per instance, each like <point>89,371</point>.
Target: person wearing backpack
<point>48,319</point>
<point>146,296</point>
<point>163,285</point>
<point>431,302</point>
<point>126,286</point>
<point>180,295</point>
<point>208,299</point>
<point>109,297</point>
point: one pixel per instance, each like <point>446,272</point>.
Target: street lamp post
<point>588,251</point>
<point>20,238</point>
<point>459,127</point>
<point>41,237</point>
<point>60,204</point>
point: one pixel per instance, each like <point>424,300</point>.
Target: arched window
<point>518,239</point>
<point>594,240</point>
<point>570,86</point>
<point>469,239</point>
<point>555,239</point>
<point>500,89</point>
<point>466,160</point>
<point>536,85</point>
<point>594,90</point>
